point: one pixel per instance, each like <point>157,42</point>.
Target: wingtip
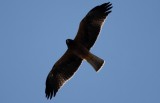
<point>55,92</point>
<point>108,12</point>
<point>51,94</point>
<point>108,8</point>
<point>47,96</point>
<point>106,4</point>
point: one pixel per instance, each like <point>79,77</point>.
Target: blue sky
<point>32,39</point>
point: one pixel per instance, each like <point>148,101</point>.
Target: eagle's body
<point>78,50</point>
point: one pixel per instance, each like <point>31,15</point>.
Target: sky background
<point>32,39</point>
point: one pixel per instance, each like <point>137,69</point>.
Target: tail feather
<point>95,61</point>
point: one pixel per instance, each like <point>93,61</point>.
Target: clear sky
<point>32,39</point>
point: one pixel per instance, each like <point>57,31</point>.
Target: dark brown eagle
<point>78,50</point>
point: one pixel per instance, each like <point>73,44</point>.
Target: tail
<point>95,61</point>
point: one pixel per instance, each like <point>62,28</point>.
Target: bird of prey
<point>78,50</point>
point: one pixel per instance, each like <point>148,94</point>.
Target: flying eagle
<point>78,50</point>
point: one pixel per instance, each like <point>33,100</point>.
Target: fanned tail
<point>95,61</point>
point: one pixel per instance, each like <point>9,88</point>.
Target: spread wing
<point>62,71</point>
<point>91,24</point>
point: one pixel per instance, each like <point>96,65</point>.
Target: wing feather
<point>62,71</point>
<point>91,24</point>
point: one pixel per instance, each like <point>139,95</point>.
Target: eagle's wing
<point>91,24</point>
<point>62,71</point>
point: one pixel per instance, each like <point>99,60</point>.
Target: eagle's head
<point>69,42</point>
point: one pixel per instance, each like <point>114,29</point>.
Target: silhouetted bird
<point>78,49</point>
